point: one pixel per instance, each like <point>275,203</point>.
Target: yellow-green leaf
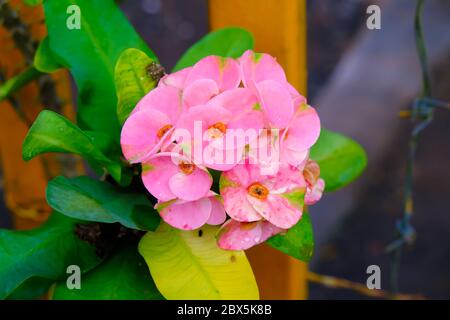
<point>189,265</point>
<point>132,79</point>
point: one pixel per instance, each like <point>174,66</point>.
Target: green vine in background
<point>421,116</point>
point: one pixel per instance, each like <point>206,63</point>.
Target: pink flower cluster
<point>215,99</point>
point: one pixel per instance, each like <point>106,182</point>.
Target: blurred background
<point>359,80</point>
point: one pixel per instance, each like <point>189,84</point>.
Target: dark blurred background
<point>359,80</point>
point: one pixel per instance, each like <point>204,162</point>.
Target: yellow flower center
<point>258,191</point>
<point>164,130</point>
<point>217,130</point>
<point>186,167</point>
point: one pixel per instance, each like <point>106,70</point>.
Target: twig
<point>339,283</point>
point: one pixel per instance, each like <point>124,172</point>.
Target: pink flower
<point>150,124</point>
<point>207,78</point>
<point>315,185</point>
<point>237,235</point>
<point>301,134</point>
<point>249,196</point>
<point>222,124</point>
<point>169,177</point>
<point>190,215</point>
<point>266,78</point>
<point>221,105</point>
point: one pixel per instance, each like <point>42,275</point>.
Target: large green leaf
<point>91,53</point>
<point>52,132</point>
<point>189,265</point>
<point>133,80</point>
<point>91,200</point>
<point>35,258</point>
<point>123,276</point>
<point>298,242</point>
<point>340,158</point>
<point>227,42</point>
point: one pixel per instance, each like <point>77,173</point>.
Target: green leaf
<point>132,80</point>
<point>104,143</point>
<point>123,276</point>
<point>227,42</point>
<point>341,159</point>
<point>32,2</point>
<point>52,132</point>
<point>41,256</point>
<point>298,242</point>
<point>91,53</point>
<point>189,265</point>
<point>91,200</point>
<point>44,60</point>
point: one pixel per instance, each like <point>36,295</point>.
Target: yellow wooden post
<point>279,28</point>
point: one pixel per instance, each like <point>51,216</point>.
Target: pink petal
<point>239,176</point>
<point>257,67</point>
<point>205,116</point>
<point>304,130</point>
<point>230,74</point>
<point>241,103</point>
<point>237,205</point>
<point>185,215</point>
<point>296,97</point>
<point>253,120</point>
<point>268,230</point>
<point>277,209</point>
<point>191,186</point>
<point>217,156</point>
<point>235,100</point>
<point>314,194</point>
<point>224,71</point>
<point>199,92</point>
<point>288,178</point>
<point>139,134</point>
<point>156,174</point>
<point>176,79</point>
<point>241,236</point>
<point>255,174</point>
<point>218,214</point>
<point>293,157</point>
<point>235,235</point>
<point>276,103</point>
<point>164,99</point>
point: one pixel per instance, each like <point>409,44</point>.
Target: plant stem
<point>17,82</point>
